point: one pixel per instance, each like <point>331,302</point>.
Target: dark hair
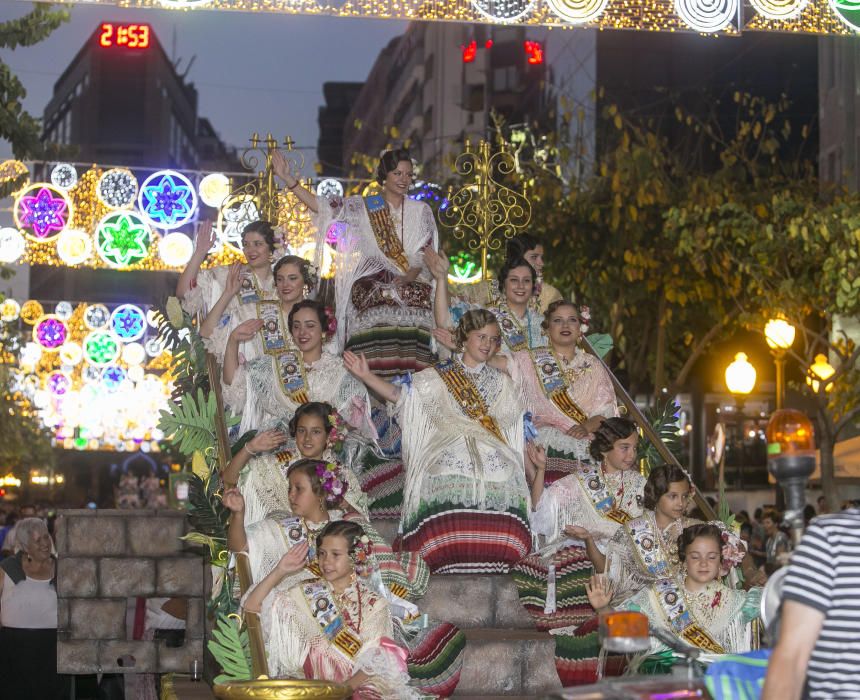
<point>347,529</point>
<point>388,162</point>
<point>772,514</point>
<point>309,304</point>
<point>658,482</point>
<point>693,532</point>
<point>308,467</point>
<point>511,265</point>
<point>473,320</point>
<point>521,244</point>
<point>321,409</point>
<point>745,526</point>
<point>555,306</point>
<point>757,513</point>
<point>264,229</point>
<point>610,430</point>
<point>301,263</point>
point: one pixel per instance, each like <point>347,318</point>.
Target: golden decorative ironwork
<point>282,690</point>
<point>485,209</point>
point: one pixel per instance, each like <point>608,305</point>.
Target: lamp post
<point>779,335</point>
<point>740,380</point>
<point>820,371</point>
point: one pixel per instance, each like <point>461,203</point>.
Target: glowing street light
<point>740,376</point>
<point>820,371</point>
<point>779,335</point>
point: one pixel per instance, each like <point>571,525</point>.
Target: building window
<point>505,78</point>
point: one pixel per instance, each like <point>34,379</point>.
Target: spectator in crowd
<point>757,538</point>
<point>777,545</point>
<point>819,648</point>
<point>822,505</point>
<point>26,511</point>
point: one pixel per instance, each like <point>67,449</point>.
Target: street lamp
<point>740,379</point>
<point>779,335</point>
<point>820,371</point>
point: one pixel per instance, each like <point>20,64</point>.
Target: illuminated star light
<point>43,213</point>
<point>168,199</point>
<point>123,239</point>
<point>128,322</point>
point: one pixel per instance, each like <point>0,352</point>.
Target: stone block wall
<point>106,557</point>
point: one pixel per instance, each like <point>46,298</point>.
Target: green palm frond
<point>229,645</point>
<point>190,422</point>
<point>206,512</point>
<point>663,418</point>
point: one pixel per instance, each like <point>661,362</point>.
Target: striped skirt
<point>457,540</point>
<point>435,657</point>
<point>381,478</point>
<point>577,656</point>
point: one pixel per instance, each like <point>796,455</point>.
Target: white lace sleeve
<point>428,235</point>
<point>545,516</point>
<point>236,394</point>
<point>205,292</point>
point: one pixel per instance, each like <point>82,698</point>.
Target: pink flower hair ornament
<point>333,482</point>
<point>337,431</point>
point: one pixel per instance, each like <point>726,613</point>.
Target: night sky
<point>253,71</point>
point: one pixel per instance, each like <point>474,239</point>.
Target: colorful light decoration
<point>74,247</point>
<point>31,311</point>
<point>707,16</point>
<point>117,188</point>
<point>779,10</point>
<point>101,348</point>
<point>235,215</point>
<point>214,188</point>
<point>42,211</point>
<point>578,11</point>
<point>59,383</point>
<point>175,249</point>
<point>50,332</point>
<point>12,245</point>
<point>133,354</point>
<point>503,11</point>
<point>153,346</point>
<point>64,176</point>
<point>329,188</point>
<point>11,170</point>
<point>848,11</point>
<point>123,239</point>
<point>128,322</point>
<point>96,316</point>
<point>63,310</point>
<point>167,198</point>
<point>71,353</point>
<point>113,376</point>
<point>10,310</point>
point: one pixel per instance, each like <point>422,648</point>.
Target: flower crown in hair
<point>311,273</point>
<point>584,318</point>
<point>337,431</point>
<point>361,555</point>
<point>333,482</point>
<point>280,238</point>
<point>732,548</point>
<point>331,324</point>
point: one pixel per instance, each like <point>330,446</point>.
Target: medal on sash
<point>464,390</point>
<point>647,547</point>
<point>598,494</point>
<point>385,232</point>
<point>510,327</point>
<point>673,604</point>
<point>290,369</point>
<point>328,617</point>
<point>249,290</point>
<point>295,532</point>
<point>555,384</point>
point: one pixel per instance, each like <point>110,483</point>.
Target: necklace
<point>619,493</point>
<point>342,602</point>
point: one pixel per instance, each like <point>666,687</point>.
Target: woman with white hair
<point>28,615</point>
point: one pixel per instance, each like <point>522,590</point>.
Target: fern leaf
<point>231,650</point>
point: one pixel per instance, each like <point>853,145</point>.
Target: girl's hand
<point>282,169</point>
<point>294,560</point>
<point>356,365</point>
<point>266,441</point>
<point>445,338</point>
<point>233,501</point>
<point>537,455</point>
<point>437,263</point>
<point>204,241</point>
<point>599,591</point>
<point>578,533</point>
<point>246,330</point>
<point>580,432</point>
<point>234,279</point>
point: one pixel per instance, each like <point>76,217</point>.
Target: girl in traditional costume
<point>588,505</point>
<point>332,627</point>
<point>383,290</point>
<point>465,505</point>
<point>228,296</point>
<point>278,383</point>
<point>642,551</point>
<point>694,606</point>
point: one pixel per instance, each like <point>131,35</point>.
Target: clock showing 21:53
<point>129,36</point>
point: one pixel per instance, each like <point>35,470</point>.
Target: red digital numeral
<point>106,36</point>
<point>131,36</point>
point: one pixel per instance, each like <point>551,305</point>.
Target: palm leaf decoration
<point>663,418</point>
<point>206,512</point>
<point>190,422</point>
<point>229,645</point>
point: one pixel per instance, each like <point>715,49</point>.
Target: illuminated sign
<point>130,36</point>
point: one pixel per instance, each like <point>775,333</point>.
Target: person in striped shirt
<point>819,649</point>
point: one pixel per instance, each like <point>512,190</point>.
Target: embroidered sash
<point>290,368</point>
<point>274,335</point>
<point>647,547</point>
<point>466,393</point>
<point>555,384</point>
<point>384,231</point>
<point>598,494</point>
<point>328,617</point>
<point>512,332</point>
<point>295,532</point>
<point>249,290</point>
<point>673,604</point>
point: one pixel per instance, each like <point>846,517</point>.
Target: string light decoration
<point>779,9</point>
<point>42,210</point>
<point>64,176</point>
<point>503,11</point>
<point>237,212</point>
<point>128,322</point>
<point>848,11</point>
<point>117,188</point>
<point>63,310</point>
<point>175,249</point>
<point>71,353</point>
<point>707,16</point>
<point>123,239</point>
<point>59,383</point>
<point>113,376</point>
<point>167,198</point>
<point>12,245</point>
<point>96,316</point>
<point>329,188</point>
<point>578,11</point>
<point>11,170</point>
<point>50,332</point>
<point>101,348</point>
<point>213,189</point>
<point>10,310</point>
<point>31,311</point>
<point>74,247</point>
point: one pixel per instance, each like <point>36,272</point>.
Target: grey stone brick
<point>95,535</point>
<point>508,610</point>
<point>126,577</point>
<point>156,536</point>
<point>97,619</point>
<point>195,618</point>
<point>180,576</point>
<point>178,659</point>
<point>466,601</point>
<point>539,674</point>
<point>62,615</point>
<point>75,656</point>
<point>77,577</point>
<point>491,668</point>
<point>142,653</point>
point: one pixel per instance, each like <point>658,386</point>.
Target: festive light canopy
<point>816,16</point>
<point>167,198</point>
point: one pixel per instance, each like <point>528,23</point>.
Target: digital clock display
<point>129,36</point>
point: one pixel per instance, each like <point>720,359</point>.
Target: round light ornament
<point>91,374</point>
<point>236,213</point>
<point>58,383</point>
<point>74,247</point>
<point>503,11</point>
<point>329,188</point>
<point>10,310</point>
<point>12,245</point>
<point>71,353</point>
<point>154,347</point>
<point>168,199</point>
<point>133,354</point>
<point>117,188</point>
<point>707,16</point>
<point>63,310</point>
<point>848,11</point>
<point>128,322</point>
<point>112,377</point>
<point>779,10</point>
<point>175,249</point>
<point>64,176</point>
<point>101,348</point>
<point>50,332</point>
<point>578,11</point>
<point>135,373</point>
<point>41,211</point>
<point>214,189</point>
<point>96,316</point>
<point>123,239</point>
<point>31,311</point>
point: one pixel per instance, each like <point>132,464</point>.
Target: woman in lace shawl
<point>465,505</point>
<point>228,295</point>
<point>582,509</point>
<point>382,287</point>
<point>516,309</point>
<point>718,618</point>
<point>333,627</point>
<point>278,384</point>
